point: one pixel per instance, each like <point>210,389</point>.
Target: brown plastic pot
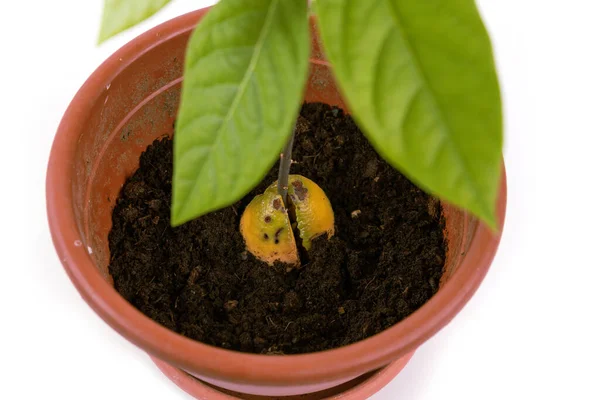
<point>129,101</point>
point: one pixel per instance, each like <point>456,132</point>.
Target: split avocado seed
<point>267,226</point>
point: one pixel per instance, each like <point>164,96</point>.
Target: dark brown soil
<point>382,264</point>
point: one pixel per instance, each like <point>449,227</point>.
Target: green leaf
<point>245,71</point>
<point>420,80</point>
<point>119,15</point>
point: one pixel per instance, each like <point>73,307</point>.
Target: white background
<point>532,329</point>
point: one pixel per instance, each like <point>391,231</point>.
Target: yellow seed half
<point>266,229</point>
<point>312,209</point>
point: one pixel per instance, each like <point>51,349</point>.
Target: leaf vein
<point>442,118</point>
<point>241,90</point>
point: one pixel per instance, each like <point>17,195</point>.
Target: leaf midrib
<point>239,93</point>
<point>441,117</point>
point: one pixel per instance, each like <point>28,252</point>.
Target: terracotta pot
<point>130,100</point>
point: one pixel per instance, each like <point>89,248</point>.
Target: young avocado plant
<point>418,77</point>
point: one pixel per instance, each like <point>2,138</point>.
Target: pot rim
<point>197,357</point>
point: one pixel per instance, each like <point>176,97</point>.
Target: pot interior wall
<point>138,106</point>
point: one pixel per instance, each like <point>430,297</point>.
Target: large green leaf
<point>245,71</point>
<point>420,79</point>
<point>119,15</point>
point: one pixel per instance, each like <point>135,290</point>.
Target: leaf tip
<point>104,34</point>
<point>101,39</point>
<point>177,220</point>
<point>177,216</point>
<point>489,219</point>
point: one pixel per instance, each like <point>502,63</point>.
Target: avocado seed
<point>266,223</point>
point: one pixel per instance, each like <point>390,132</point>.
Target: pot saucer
<point>360,388</point>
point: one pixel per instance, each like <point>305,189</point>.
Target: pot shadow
<point>416,376</point>
<point>159,376</point>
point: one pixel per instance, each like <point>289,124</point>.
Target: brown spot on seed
<point>265,236</point>
<point>277,233</point>
<point>268,219</point>
<point>277,204</point>
<point>299,190</point>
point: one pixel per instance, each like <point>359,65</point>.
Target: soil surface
<point>383,263</point>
